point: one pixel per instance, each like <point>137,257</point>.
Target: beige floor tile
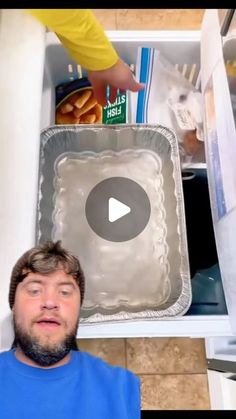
<point>107,18</point>
<point>159,19</point>
<point>166,355</point>
<point>110,350</point>
<point>174,392</point>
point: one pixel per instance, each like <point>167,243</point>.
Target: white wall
<point>22,46</point>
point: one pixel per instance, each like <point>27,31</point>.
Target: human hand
<point>119,76</point>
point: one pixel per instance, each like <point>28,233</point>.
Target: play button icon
<point>117,209</point>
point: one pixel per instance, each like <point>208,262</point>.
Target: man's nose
<point>50,301</point>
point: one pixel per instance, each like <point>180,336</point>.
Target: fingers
<point>113,94</point>
<point>135,86</point>
<point>100,94</point>
<point>118,77</point>
<point>99,91</point>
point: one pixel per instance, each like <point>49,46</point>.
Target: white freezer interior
<point>20,149</point>
<point>182,48</point>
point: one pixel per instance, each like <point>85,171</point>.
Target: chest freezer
<point>183,49</point>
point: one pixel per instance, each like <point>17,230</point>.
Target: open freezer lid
<point>220,142</point>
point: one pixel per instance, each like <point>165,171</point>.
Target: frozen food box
<point>76,104</point>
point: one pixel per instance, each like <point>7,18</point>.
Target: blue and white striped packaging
<point>150,100</point>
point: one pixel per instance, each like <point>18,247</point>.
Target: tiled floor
<point>150,19</point>
<point>172,370</point>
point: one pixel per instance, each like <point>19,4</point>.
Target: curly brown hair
<point>44,259</point>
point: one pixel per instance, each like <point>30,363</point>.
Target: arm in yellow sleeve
<point>81,34</point>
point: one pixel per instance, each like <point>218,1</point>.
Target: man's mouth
<point>48,322</point>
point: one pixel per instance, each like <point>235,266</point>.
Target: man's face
<point>46,313</point>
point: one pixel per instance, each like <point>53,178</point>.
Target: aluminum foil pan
<point>146,277</point>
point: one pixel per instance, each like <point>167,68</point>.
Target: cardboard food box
<point>76,104</point>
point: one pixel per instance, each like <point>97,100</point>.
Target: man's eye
<point>65,293</point>
<point>34,291</point>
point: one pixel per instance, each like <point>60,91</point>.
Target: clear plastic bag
<point>171,100</point>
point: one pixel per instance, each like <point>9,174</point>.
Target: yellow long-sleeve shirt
<point>81,34</point>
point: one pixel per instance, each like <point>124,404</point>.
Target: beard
<point>48,354</point>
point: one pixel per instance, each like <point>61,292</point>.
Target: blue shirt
<point>84,388</point>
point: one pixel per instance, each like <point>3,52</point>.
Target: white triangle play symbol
<point>116,209</point>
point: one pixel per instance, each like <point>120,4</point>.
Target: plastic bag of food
<point>231,75</point>
<point>76,104</point>
<point>169,99</point>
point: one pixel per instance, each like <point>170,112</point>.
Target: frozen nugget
<point>75,103</point>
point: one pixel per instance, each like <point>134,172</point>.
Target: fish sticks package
<point>76,104</point>
<point>169,99</point>
<point>117,112</point>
